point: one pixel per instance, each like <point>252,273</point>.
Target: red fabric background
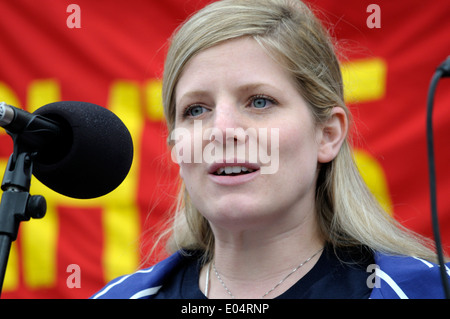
<point>126,40</point>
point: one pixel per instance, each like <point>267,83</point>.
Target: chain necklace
<point>268,292</point>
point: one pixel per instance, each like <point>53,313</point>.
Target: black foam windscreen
<point>92,155</point>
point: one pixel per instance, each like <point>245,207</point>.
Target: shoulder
<point>143,283</point>
<point>406,277</point>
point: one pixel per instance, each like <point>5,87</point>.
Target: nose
<point>228,125</point>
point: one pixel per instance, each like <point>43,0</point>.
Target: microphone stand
<point>17,204</point>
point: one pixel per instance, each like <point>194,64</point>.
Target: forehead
<point>238,62</point>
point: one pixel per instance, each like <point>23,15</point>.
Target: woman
<point>308,227</point>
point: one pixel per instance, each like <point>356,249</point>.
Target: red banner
<point>111,53</point>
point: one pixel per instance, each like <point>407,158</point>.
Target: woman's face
<point>247,142</point>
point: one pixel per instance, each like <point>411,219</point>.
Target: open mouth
<point>233,171</point>
<point>233,174</point>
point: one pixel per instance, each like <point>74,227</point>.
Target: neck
<point>252,262</point>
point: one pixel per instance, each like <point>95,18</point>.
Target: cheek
<point>298,151</point>
<point>185,172</point>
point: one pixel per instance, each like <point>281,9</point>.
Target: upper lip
<point>215,166</point>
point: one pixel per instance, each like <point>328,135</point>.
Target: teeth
<point>236,169</point>
<point>233,170</point>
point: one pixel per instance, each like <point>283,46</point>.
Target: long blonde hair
<point>348,213</point>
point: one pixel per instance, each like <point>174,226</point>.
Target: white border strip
<point>381,274</point>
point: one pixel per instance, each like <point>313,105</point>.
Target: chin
<point>237,216</point>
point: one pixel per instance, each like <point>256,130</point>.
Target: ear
<point>331,135</point>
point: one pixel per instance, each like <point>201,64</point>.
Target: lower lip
<point>233,180</point>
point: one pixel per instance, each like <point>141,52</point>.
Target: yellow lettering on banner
<point>121,217</point>
<point>41,92</point>
<point>373,174</point>
<point>364,80</point>
<point>8,96</point>
<point>153,95</point>
<point>39,237</point>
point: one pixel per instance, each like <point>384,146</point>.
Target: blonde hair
<point>348,213</point>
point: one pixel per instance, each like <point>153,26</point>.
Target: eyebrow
<point>241,88</point>
<point>194,94</point>
<point>258,85</point>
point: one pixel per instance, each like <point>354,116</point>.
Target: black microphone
<point>81,150</point>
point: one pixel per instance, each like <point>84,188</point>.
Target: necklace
<point>268,292</point>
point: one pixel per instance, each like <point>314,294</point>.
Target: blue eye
<point>259,103</point>
<point>195,110</point>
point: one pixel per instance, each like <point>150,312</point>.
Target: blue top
<point>338,274</point>
<point>390,277</point>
